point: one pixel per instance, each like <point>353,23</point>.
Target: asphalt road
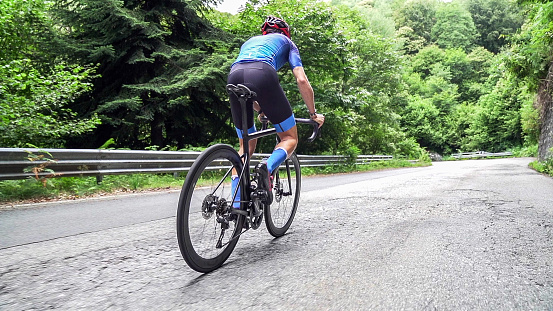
<point>466,235</point>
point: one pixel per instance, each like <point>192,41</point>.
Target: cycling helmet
<point>276,23</point>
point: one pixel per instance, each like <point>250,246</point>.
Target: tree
<point>419,15</point>
<point>377,14</point>
<point>454,27</point>
<point>356,74</point>
<point>162,68</point>
<point>497,126</point>
<point>530,61</point>
<point>421,120</point>
<point>477,84</point>
<point>33,107</point>
<point>495,20</point>
<point>411,42</point>
<point>36,86</point>
<point>423,61</point>
<point>457,127</point>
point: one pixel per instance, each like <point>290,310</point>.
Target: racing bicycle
<point>209,221</point>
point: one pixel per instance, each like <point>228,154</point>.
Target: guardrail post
<point>99,179</point>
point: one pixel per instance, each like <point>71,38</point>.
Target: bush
<point>546,166</point>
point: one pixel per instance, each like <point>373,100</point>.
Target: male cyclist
<point>256,67</point>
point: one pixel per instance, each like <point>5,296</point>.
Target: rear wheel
<point>206,231</point>
<point>286,195</point>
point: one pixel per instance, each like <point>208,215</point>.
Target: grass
<point>545,167</point>
<point>31,190</point>
<point>77,187</point>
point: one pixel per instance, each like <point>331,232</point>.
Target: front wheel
<point>286,195</point>
<point>207,233</point>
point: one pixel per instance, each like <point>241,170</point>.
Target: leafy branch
<point>42,161</point>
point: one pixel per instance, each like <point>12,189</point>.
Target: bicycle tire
<point>208,181</point>
<point>286,195</point>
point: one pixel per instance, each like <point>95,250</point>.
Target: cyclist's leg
<point>287,145</point>
<point>287,132</point>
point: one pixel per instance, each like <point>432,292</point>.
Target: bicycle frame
<point>244,93</point>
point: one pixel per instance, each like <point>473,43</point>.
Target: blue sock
<point>277,157</point>
<point>233,186</point>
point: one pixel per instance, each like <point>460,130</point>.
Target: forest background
<point>401,77</point>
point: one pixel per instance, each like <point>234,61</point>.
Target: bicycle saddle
<point>241,90</point>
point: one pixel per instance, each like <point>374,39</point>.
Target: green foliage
<point>411,42</point>
<point>529,118</point>
<point>43,160</point>
<point>526,151</point>
<point>419,15</point>
<point>446,80</point>
<point>475,82</point>
<point>33,106</point>
<point>377,13</point>
<point>36,88</point>
<point>546,166</point>
<point>421,120</point>
<point>454,27</point>
<point>456,128</point>
<point>162,69</point>
<point>24,28</point>
<point>497,125</point>
<point>495,20</point>
<point>530,54</point>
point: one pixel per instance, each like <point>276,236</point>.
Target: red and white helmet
<point>275,23</point>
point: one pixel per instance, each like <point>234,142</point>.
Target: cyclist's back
<point>273,49</point>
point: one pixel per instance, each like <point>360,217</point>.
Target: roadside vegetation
<point>545,167</point>
<point>392,76</point>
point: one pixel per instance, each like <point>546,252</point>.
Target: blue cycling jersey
<point>274,49</point>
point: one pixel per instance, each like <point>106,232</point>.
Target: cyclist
<point>256,67</point>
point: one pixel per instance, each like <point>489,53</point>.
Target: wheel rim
<point>207,202</point>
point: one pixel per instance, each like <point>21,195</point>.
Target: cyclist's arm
<point>305,88</point>
<point>307,93</point>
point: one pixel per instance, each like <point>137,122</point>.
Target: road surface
<point>465,235</point>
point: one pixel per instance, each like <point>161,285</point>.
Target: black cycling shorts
<point>261,78</point>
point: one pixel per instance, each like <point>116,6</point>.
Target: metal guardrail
<point>100,162</point>
<point>480,154</point>
<point>324,160</point>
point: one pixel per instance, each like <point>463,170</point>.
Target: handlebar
<point>315,125</point>
<point>316,129</point>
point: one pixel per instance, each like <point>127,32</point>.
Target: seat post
<point>245,135</point>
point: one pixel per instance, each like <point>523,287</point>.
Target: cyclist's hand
<point>319,118</point>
